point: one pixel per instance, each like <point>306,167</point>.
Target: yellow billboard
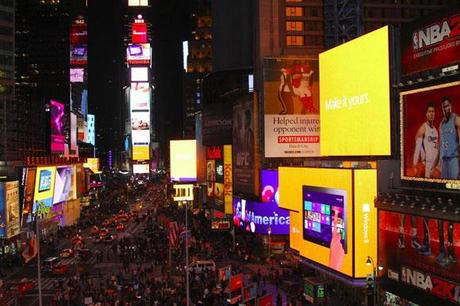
<point>44,190</point>
<point>183,160</point>
<point>228,184</point>
<point>92,164</point>
<point>355,97</point>
<point>141,153</point>
<point>332,215</point>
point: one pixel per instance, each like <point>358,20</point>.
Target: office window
<point>294,11</point>
<point>138,2</point>
<point>295,40</point>
<point>294,26</point>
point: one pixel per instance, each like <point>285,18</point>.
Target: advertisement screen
<point>139,33</point>
<point>141,168</point>
<point>78,55</point>
<point>63,184</point>
<point>73,135</point>
<point>141,153</point>
<point>80,127</point>
<point>228,184</point>
<point>430,44</point>
<point>324,216</point>
<point>139,54</point>
<point>77,75</point>
<point>3,211</point>
<point>430,133</point>
<point>57,127</point>
<point>291,104</point>
<point>92,164</point>
<point>355,97</point>
<point>421,253</point>
<point>243,147</point>
<point>140,137</point>
<point>12,208</point>
<point>140,121</point>
<point>78,34</point>
<point>91,136</point>
<point>139,74</point>
<point>44,188</point>
<point>269,192</point>
<point>256,217</point>
<point>183,160</point>
<point>139,96</point>
<point>29,191</point>
<point>328,226</point>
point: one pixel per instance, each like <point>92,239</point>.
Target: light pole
<point>186,255</point>
<point>39,277</point>
<point>269,231</point>
<point>375,269</point>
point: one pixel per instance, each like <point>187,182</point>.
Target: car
<point>66,253</point>
<point>120,227</point>
<point>25,285</point>
<point>49,263</point>
<point>94,230</point>
<point>103,232</point>
<point>123,218</point>
<point>108,239</point>
<point>60,269</point>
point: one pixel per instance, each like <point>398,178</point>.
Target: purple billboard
<point>269,191</point>
<point>258,217</point>
<point>57,127</point>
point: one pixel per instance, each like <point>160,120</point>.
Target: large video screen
<point>139,74</point>
<point>418,252</point>
<point>57,127</point>
<point>324,216</point>
<point>44,189</point>
<point>141,168</point>
<point>78,55</point>
<point>139,33</point>
<point>63,184</point>
<point>430,133</point>
<point>259,217</point>
<point>269,189</point>
<point>139,96</point>
<point>183,160</point>
<point>140,137</point>
<point>355,97</point>
<point>140,121</point>
<point>77,75</point>
<point>141,152</point>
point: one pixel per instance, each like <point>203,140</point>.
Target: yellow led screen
<point>141,153</point>
<point>355,97</point>
<point>326,226</point>
<point>183,160</point>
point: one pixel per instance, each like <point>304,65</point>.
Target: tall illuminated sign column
<point>139,60</point>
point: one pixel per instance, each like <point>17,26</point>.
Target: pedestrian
<point>279,300</point>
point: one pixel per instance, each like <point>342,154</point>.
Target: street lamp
<point>375,269</point>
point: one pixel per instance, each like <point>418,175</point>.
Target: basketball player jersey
<point>430,143</point>
<point>449,138</point>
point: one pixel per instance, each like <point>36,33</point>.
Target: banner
<point>431,43</point>
<point>12,208</point>
<point>243,147</point>
<point>228,183</point>
<point>420,253</point>
<point>291,107</point>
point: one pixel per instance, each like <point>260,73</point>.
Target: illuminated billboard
<point>269,189</point>
<point>139,33</point>
<point>91,135</point>
<point>139,54</point>
<point>63,184</point>
<point>140,121</point>
<point>291,107</point>
<point>44,190</point>
<point>430,43</point>
<point>333,221</point>
<point>419,254</point>
<point>77,75</point>
<point>139,74</point>
<point>29,188</point>
<point>141,152</point>
<point>92,164</point>
<point>140,137</point>
<point>355,97</point>
<point>256,217</point>
<point>139,96</point>
<point>73,135</point>
<point>78,33</point>
<point>80,127</point>
<point>141,168</point>
<point>429,137</point>
<point>57,127</point>
<point>78,55</point>
<point>183,160</point>
<point>228,182</point>
<point>11,204</point>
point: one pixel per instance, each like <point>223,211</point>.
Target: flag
<point>173,234</point>
<point>30,251</point>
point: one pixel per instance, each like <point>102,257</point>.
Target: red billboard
<point>78,33</point>
<point>430,44</point>
<point>236,282</point>
<point>420,253</point>
<point>429,138</point>
<point>139,33</point>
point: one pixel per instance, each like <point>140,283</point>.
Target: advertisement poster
<point>243,147</point>
<point>44,189</point>
<point>139,54</point>
<point>429,141</point>
<point>256,217</point>
<point>228,184</point>
<point>430,44</point>
<point>12,208</point>
<point>29,191</point>
<point>139,96</point>
<point>140,121</point>
<point>63,184</point>
<point>57,127</point>
<point>291,107</point>
<point>183,160</point>
<point>141,152</point>
<point>215,175</point>
<point>420,253</point>
<point>139,33</point>
<point>3,212</point>
<point>78,33</point>
<point>73,135</point>
<point>355,97</point>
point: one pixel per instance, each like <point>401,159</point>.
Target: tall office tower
<point>198,63</point>
<point>8,128</point>
<point>42,69</point>
<point>345,19</point>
